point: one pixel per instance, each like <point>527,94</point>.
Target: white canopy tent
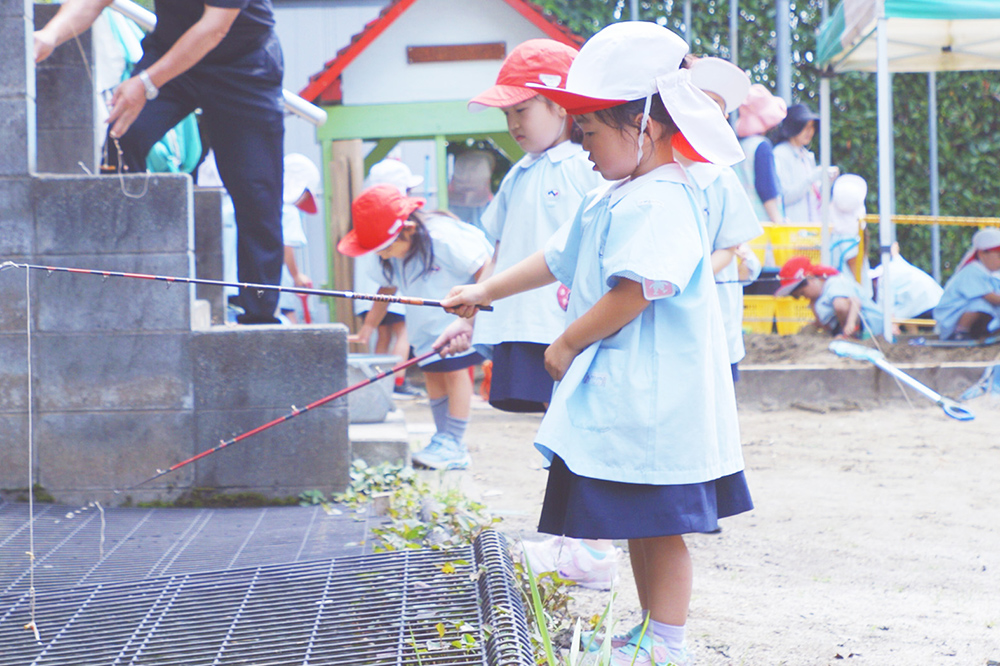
<point>884,36</point>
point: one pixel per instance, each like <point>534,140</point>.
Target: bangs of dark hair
<point>623,116</point>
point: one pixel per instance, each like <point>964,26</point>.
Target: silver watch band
<point>151,90</point>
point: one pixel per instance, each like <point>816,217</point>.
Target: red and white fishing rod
<point>386,298</point>
<point>287,417</point>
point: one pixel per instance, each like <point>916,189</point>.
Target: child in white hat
<point>727,209</point>
<point>539,194</point>
<point>970,305</point>
<point>641,434</point>
<point>421,254</point>
<point>301,181</point>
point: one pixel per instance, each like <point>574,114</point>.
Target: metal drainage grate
<point>376,609</point>
<point>149,543</point>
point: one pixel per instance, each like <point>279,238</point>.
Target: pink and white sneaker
<point>573,561</point>
<point>650,651</point>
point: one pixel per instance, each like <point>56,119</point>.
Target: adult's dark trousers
<point>243,118</point>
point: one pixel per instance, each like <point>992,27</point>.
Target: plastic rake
<point>862,353</point>
<point>385,298</point>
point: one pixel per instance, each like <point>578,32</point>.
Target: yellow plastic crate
<point>760,244</point>
<point>789,241</point>
<point>791,314</point>
<point>758,314</point>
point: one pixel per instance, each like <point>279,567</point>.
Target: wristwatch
<point>151,90</point>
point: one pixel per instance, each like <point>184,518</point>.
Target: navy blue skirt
<point>520,382</point>
<point>585,508</point>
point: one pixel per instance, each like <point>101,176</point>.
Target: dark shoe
<point>407,391</point>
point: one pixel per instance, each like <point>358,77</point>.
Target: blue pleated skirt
<point>520,382</point>
<point>585,508</point>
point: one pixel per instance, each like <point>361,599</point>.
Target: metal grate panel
<point>374,609</point>
<point>150,543</point>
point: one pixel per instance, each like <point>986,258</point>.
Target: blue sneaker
<point>443,453</point>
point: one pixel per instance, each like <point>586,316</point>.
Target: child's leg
<point>456,386</point>
<point>975,324</point>
<point>664,577</point>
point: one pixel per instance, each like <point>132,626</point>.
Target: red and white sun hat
<point>723,78</point>
<point>797,270</point>
<point>542,61</point>
<point>633,60</point>
<point>379,214</point>
<point>301,178</point>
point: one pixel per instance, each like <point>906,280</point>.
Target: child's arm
<point>457,337</point>
<point>373,318</point>
<point>848,311</point>
<point>530,273</point>
<point>993,298</point>
<point>722,258</point>
<point>608,315</point>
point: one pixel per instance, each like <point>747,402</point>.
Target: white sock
<point>671,634</point>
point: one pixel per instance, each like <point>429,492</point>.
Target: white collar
<point>671,172</point>
<point>556,153</point>
<point>702,174</point>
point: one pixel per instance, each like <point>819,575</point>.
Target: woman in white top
<point>796,166</point>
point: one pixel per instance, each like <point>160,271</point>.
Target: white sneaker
<point>573,561</point>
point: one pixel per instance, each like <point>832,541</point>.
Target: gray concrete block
<point>67,302</point>
<point>386,442</point>
<point>17,227</point>
<point>309,451</point>
<point>88,455</point>
<point>16,43</point>
<point>13,314</point>
<point>14,451</point>
<point>63,150</point>
<point>17,136</point>
<point>372,403</point>
<point>95,371</point>
<point>92,214</point>
<point>208,247</point>
<point>13,373</point>
<point>269,367</point>
<point>15,8</point>
<point>65,99</point>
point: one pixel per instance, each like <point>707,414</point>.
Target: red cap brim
<point>500,96</point>
<point>576,104</point>
<point>307,203</point>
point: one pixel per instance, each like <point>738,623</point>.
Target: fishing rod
<point>385,298</point>
<point>287,417</point>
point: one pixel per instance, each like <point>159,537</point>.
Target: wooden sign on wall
<point>456,52</point>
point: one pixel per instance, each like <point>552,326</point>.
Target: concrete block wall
<point>17,89</point>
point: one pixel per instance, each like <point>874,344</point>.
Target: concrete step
<point>388,441</point>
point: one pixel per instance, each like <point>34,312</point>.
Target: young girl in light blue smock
<point>642,432</point>
<point>970,305</point>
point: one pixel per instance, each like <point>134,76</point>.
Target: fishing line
<point>31,626</point>
<point>169,279</point>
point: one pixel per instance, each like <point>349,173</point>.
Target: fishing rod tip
<point>7,264</point>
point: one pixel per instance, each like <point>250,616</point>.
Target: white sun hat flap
<point>699,119</point>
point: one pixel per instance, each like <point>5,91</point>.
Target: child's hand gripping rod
<point>387,298</point>
<point>287,417</point>
<point>862,353</point>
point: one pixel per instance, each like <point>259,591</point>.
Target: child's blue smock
<point>842,286</point>
<point>964,293</point>
<point>539,194</point>
<point>731,220</point>
<point>460,250</point>
<point>653,403</point>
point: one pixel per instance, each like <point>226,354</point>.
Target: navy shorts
<point>520,382</point>
<point>389,318</point>
<point>585,508</point>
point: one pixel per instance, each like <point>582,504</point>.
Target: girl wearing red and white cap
<point>642,433</point>
<point>423,254</point>
<point>970,305</point>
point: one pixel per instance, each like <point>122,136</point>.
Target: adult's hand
<point>127,102</point>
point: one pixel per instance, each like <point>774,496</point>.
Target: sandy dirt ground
<point>875,538</point>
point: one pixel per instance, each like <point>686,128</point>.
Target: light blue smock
<point>964,293</point>
<point>843,286</point>
<point>539,194</point>
<point>460,250</point>
<point>653,403</point>
<point>731,221</point>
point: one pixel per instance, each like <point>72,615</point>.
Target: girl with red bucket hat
<point>539,194</point>
<point>422,255</point>
<point>641,433</point>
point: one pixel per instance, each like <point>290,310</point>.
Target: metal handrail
<point>147,21</point>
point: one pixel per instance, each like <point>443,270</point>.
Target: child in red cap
<point>423,255</point>
<point>837,301</point>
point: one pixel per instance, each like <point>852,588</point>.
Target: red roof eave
<point>325,86</point>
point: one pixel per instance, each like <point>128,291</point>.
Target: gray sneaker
<point>443,453</point>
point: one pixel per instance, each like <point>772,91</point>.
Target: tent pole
<point>885,189</point>
<point>932,138</point>
<point>687,22</point>
<point>734,37</point>
<point>824,158</point>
